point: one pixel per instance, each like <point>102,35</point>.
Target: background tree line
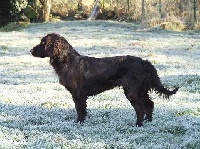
<point>24,10</point>
<point>184,14</point>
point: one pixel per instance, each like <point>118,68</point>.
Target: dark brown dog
<point>85,76</point>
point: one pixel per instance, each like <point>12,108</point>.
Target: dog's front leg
<point>80,105</point>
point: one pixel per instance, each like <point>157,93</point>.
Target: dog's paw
<point>139,124</point>
<point>148,119</point>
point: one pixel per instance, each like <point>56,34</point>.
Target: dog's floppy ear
<point>59,45</point>
<point>49,47</point>
<point>55,44</point>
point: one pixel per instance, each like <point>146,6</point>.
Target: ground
<point>37,112</point>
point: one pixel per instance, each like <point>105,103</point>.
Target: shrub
<point>9,10</point>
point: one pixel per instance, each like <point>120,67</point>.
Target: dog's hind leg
<point>149,106</point>
<point>135,101</point>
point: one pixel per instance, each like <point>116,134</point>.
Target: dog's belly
<point>93,88</point>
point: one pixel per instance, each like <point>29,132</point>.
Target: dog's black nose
<point>31,50</point>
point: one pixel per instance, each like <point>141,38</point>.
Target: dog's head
<point>51,45</point>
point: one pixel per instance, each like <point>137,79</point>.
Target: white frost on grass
<point>37,112</point>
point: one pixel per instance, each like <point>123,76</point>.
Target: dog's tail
<point>160,89</point>
<point>156,83</point>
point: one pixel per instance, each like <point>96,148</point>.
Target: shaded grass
<point>175,130</point>
<point>15,26</point>
<point>194,145</point>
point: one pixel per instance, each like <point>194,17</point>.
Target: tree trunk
<point>95,11</point>
<point>80,5</point>
<point>36,5</point>
<point>143,11</point>
<point>195,13</point>
<point>46,10</point>
<point>160,8</point>
<point>36,9</point>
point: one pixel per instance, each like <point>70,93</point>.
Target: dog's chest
<point>69,80</point>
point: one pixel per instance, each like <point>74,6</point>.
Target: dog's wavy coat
<point>85,76</point>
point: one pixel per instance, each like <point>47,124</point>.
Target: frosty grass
<point>37,112</point>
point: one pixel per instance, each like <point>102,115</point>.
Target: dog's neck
<point>64,60</point>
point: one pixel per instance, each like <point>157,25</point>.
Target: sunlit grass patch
<point>11,138</point>
<point>189,112</point>
<point>50,105</point>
